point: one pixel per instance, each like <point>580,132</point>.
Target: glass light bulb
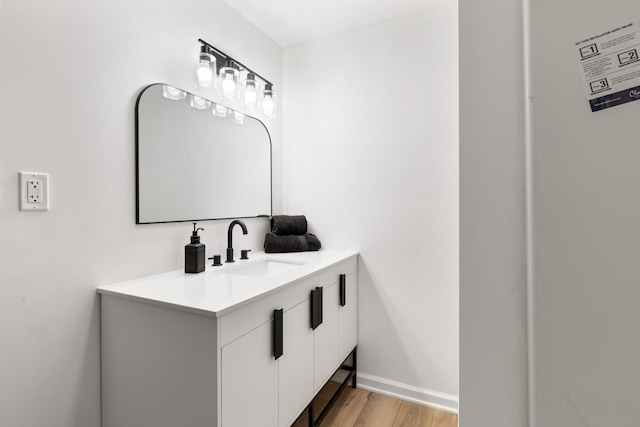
<point>204,74</point>
<point>228,86</point>
<point>220,110</point>
<point>238,117</point>
<point>250,97</point>
<point>199,103</point>
<point>267,106</point>
<point>173,93</point>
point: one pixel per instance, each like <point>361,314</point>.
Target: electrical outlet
<point>34,191</point>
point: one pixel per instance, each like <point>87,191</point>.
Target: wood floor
<point>359,408</point>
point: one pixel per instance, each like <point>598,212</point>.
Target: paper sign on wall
<point>610,66</point>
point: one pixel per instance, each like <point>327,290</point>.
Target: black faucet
<point>230,237</point>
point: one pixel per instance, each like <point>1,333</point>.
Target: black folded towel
<point>278,244</point>
<point>287,225</point>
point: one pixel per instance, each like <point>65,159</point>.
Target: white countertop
<point>213,292</point>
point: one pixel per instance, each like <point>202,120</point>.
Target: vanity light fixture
<point>199,103</point>
<point>206,71</point>
<point>172,93</point>
<point>231,85</point>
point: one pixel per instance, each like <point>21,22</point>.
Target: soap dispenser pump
<point>194,253</point>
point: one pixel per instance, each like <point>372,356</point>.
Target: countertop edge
<point>159,303</point>
<point>110,290</point>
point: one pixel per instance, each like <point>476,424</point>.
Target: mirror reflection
<point>198,160</point>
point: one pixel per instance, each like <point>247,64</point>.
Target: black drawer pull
<point>316,307</point>
<point>343,290</point>
<point>278,332</point>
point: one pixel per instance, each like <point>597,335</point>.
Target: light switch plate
<point>34,191</point>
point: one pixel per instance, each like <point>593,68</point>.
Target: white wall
<point>586,210</point>
<point>493,387</point>
<point>371,157</point>
<point>70,71</point>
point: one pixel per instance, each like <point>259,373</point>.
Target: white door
<point>250,380</point>
<point>296,363</point>
<point>349,316</point>
<point>326,355</point>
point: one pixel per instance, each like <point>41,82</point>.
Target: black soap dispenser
<point>194,253</point>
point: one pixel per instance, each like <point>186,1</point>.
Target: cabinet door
<point>349,316</point>
<point>296,364</point>
<point>326,356</point>
<point>250,380</point>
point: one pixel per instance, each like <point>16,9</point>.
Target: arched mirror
<point>197,160</point>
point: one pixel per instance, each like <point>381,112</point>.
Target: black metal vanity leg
<point>355,367</point>
<point>311,423</point>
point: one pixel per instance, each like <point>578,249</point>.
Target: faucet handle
<point>216,261</point>
<point>244,253</point>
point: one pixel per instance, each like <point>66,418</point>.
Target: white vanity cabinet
<point>254,363</point>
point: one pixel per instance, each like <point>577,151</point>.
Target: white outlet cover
<point>43,192</point>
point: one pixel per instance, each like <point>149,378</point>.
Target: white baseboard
<point>421,396</point>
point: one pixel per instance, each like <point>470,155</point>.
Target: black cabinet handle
<point>278,332</point>
<point>316,307</point>
<point>343,290</point>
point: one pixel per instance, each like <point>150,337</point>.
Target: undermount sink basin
<point>263,268</point>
